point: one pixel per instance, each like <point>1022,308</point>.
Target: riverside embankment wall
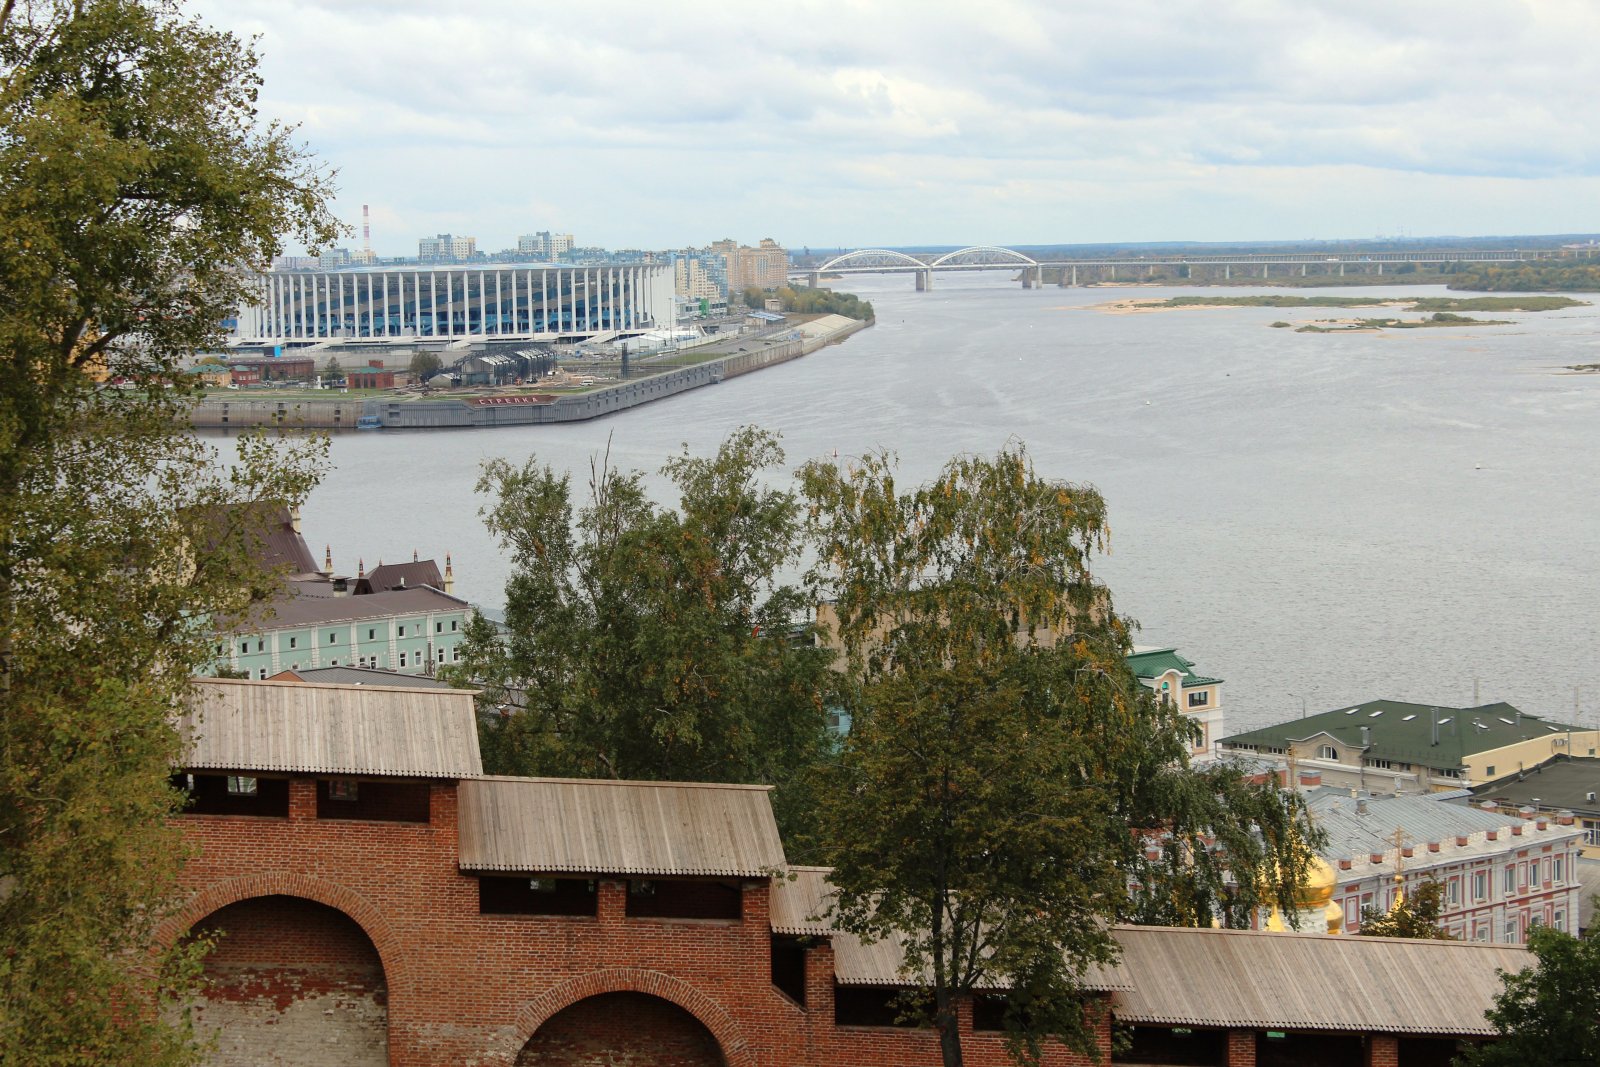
<point>234,411</point>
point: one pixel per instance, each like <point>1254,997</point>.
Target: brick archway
<point>286,883</point>
<point>710,1014</point>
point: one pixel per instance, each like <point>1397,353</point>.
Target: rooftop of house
<point>387,576</point>
<point>1562,782</point>
<point>301,610</point>
<point>1359,827</point>
<point>1404,732</point>
<point>1150,663</point>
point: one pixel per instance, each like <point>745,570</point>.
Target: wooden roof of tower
<point>288,727</point>
<point>563,825</point>
<point>1280,981</point>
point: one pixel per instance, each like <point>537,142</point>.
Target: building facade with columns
<point>455,303</point>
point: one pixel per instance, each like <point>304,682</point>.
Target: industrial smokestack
<point>366,231</point>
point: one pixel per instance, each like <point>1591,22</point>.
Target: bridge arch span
<point>986,254</point>
<point>869,258</point>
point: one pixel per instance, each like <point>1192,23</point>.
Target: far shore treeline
<point>810,301</point>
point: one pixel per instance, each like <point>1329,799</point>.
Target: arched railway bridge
<point>996,257</point>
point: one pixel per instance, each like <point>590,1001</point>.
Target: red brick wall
<point>469,988</point>
<point>291,982</point>
<point>621,1028</point>
<point>1241,1048</point>
<point>1383,1050</point>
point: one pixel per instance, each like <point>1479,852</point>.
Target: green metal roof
<point>1154,662</point>
<point>1404,732</point>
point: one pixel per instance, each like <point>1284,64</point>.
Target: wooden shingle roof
<point>552,825</point>
<point>331,729</point>
<point>801,902</point>
<point>1283,981</point>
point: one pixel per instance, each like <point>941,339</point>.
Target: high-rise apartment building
<point>446,248</point>
<point>763,267</point>
<point>544,244</point>
<point>700,274</point>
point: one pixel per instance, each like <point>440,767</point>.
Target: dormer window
<point>1328,752</point>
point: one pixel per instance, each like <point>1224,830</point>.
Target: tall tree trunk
<point>948,1023</point>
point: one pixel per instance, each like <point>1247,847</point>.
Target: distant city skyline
<point>912,124</point>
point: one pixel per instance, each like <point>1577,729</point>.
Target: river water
<point>1410,515</point>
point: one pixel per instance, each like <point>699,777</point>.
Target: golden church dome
<point>1321,883</point>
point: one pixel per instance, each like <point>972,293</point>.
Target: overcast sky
<point>664,124</point>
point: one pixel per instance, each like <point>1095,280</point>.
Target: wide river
<point>1411,515</point>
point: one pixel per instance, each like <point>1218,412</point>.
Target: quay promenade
<point>399,412</point>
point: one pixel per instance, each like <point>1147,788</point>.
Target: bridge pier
<point>924,280</point>
<point>1341,268</point>
<point>1302,270</point>
<point>815,279</point>
<point>1227,270</point>
<point>1380,268</point>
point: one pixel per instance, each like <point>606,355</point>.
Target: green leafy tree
<point>1001,749</point>
<point>333,372</point>
<point>1547,1012</point>
<point>136,190</point>
<point>425,365</point>
<point>1416,915</point>
<point>755,297</point>
<point>643,642</point>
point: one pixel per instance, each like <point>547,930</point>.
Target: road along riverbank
<point>524,407</point>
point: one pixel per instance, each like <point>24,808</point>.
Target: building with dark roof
<point>1391,746</point>
<point>412,630</point>
<point>377,900</point>
<point>419,572</point>
<point>401,617</point>
<point>1562,784</point>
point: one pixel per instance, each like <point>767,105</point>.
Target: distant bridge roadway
<point>995,257</point>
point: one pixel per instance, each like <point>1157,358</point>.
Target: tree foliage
<point>1542,276</point>
<point>1006,772</point>
<point>136,189</point>
<point>808,301</point>
<point>424,365</point>
<point>1415,915</point>
<point>1547,1013</point>
<point>643,642</point>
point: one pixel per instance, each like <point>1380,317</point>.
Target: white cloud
<point>636,124</point>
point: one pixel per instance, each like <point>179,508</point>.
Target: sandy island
<point>1145,307</point>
